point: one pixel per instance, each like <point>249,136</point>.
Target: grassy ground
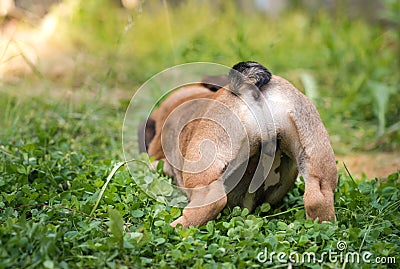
<point>63,101</point>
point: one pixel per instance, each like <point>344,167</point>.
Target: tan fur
<point>308,143</point>
<point>160,115</point>
<point>303,145</point>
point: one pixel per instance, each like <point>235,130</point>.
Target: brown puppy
<point>218,145</point>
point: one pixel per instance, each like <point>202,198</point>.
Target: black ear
<point>146,133</point>
<point>250,73</point>
<point>214,83</point>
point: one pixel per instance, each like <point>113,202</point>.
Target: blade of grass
<point>351,177</point>
<point>284,212</point>
<point>386,210</point>
<point>110,176</point>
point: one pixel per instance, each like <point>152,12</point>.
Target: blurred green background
<point>343,54</point>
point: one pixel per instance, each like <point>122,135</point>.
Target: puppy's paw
<point>179,220</point>
<point>319,206</point>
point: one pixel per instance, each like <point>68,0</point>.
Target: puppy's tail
<point>248,73</point>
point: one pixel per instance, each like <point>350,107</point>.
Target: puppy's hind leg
<point>206,202</point>
<point>320,178</point>
<point>316,163</point>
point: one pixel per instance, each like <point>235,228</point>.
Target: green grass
<point>51,174</point>
<point>56,152</point>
